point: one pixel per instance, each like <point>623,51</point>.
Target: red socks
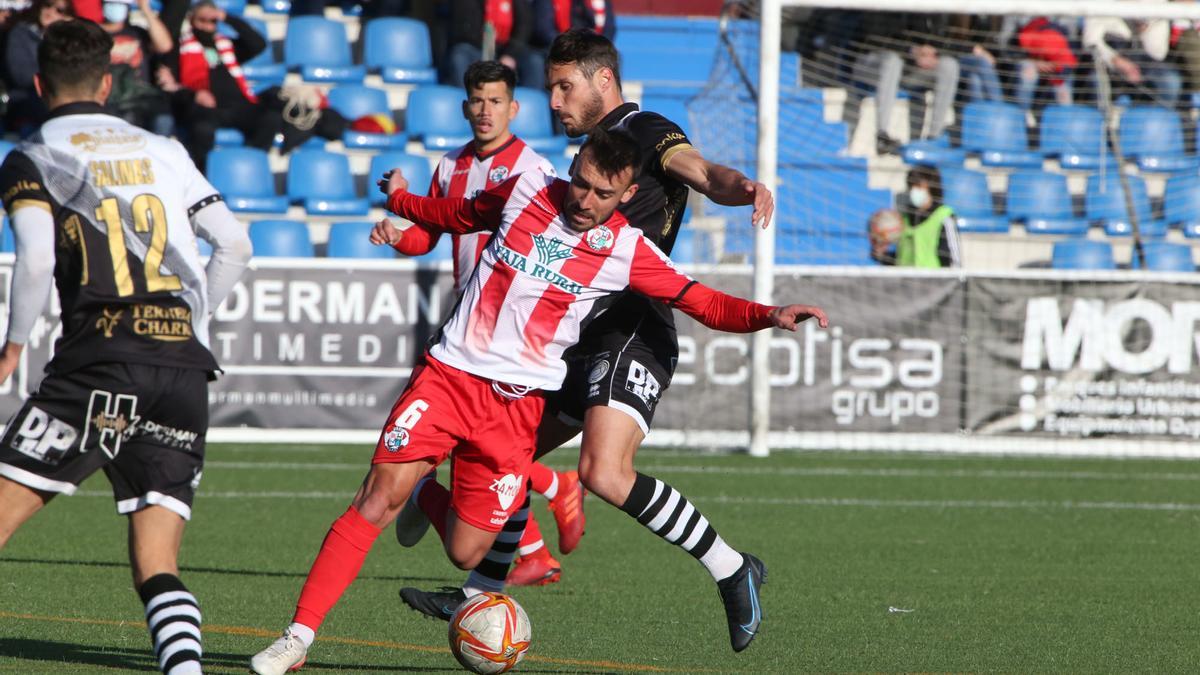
<point>541,477</point>
<point>337,564</point>
<point>434,500</point>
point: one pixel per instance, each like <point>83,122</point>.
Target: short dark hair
<point>73,56</point>
<point>482,72</point>
<point>588,50</point>
<point>614,151</point>
<point>930,175</point>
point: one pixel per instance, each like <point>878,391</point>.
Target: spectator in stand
<point>1136,53</point>
<point>25,107</point>
<point>551,17</point>
<point>512,25</point>
<point>136,54</point>
<point>904,51</point>
<point>929,237</point>
<point>89,9</point>
<point>1046,60</point>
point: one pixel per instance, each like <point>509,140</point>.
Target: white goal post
<point>768,121</point>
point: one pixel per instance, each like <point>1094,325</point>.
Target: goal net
<point>998,211</point>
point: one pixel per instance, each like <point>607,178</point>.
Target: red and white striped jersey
<point>539,282</point>
<point>463,173</point>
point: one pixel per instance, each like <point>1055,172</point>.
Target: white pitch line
<point>784,501</point>
<point>828,471</point>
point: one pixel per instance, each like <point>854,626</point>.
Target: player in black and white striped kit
<point>625,359</point>
<point>109,213</point>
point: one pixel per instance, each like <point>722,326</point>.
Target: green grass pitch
<point>878,562</point>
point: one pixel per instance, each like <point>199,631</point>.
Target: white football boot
<point>283,656</point>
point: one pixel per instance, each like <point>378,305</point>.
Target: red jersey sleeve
<point>420,239</point>
<point>457,216</point>
<point>653,275</point>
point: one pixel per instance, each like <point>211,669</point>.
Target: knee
<point>465,557</point>
<point>606,480</point>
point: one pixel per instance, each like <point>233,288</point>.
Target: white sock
<point>306,634</point>
<point>721,561</point>
<point>552,491</point>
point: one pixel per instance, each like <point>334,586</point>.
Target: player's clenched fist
<point>789,316</point>
<point>385,232</point>
<point>393,180</point>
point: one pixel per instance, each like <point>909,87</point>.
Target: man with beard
<point>625,359</point>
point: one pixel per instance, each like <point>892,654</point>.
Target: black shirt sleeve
<point>659,138</point>
<point>249,43</point>
<point>21,183</point>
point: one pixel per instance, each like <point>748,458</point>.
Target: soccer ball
<point>885,226</point>
<point>490,633</point>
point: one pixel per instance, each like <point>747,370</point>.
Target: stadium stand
<point>322,183</point>
<point>354,101</point>
<point>1041,200</point>
<point>1082,254</point>
<point>967,192</point>
<point>1165,256</point>
<point>280,239</point>
<point>997,132</point>
<point>1181,203</point>
<point>398,50</point>
<point>243,175</point>
<point>1105,203</point>
<point>434,116</point>
<point>533,123</point>
<point>1154,136</point>
<point>317,47</point>
<point>1074,135</point>
<point>349,239</point>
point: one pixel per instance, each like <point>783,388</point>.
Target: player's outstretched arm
<point>33,277</point>
<point>447,214</point>
<point>414,241</point>
<point>723,185</point>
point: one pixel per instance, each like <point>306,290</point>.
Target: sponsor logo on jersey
<point>642,384</point>
<point>498,174</point>
<point>169,324</point>
<point>669,138</point>
<point>506,489</point>
<point>599,238</point>
<point>598,372</point>
<point>395,438</point>
<point>108,140</point>
<point>169,436</point>
<point>109,321</point>
<point>42,436</point>
<point>548,251</point>
<point>113,418</point>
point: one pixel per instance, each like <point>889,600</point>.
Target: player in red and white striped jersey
<point>559,251</point>
<point>493,156</point>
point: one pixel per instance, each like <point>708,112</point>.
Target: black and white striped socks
<point>490,573</point>
<point>667,513</point>
<point>173,617</point>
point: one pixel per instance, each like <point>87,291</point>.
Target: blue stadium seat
<point>668,50</point>
<point>354,101</point>
<point>932,152</point>
<point>318,48</point>
<point>1104,202</point>
<point>997,132</point>
<point>5,148</point>
<point>414,167</point>
<point>1181,203</point>
<point>398,49</point>
<point>243,176</point>
<point>1075,135</point>
<point>228,137</point>
<point>434,115</point>
<point>276,6</point>
<point>349,239</point>
<point>1154,136</point>
<point>968,194</point>
<point>533,123</point>
<point>321,181</point>
<point>232,6</point>
<point>1165,256</point>
<point>1043,202</point>
<point>6,237</point>
<point>280,239</point>
<point>1082,254</point>
<point>204,248</point>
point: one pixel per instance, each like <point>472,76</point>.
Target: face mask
<point>918,197</point>
<point>115,12</point>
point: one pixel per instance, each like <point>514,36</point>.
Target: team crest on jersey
<point>498,174</point>
<point>395,438</point>
<point>599,238</point>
